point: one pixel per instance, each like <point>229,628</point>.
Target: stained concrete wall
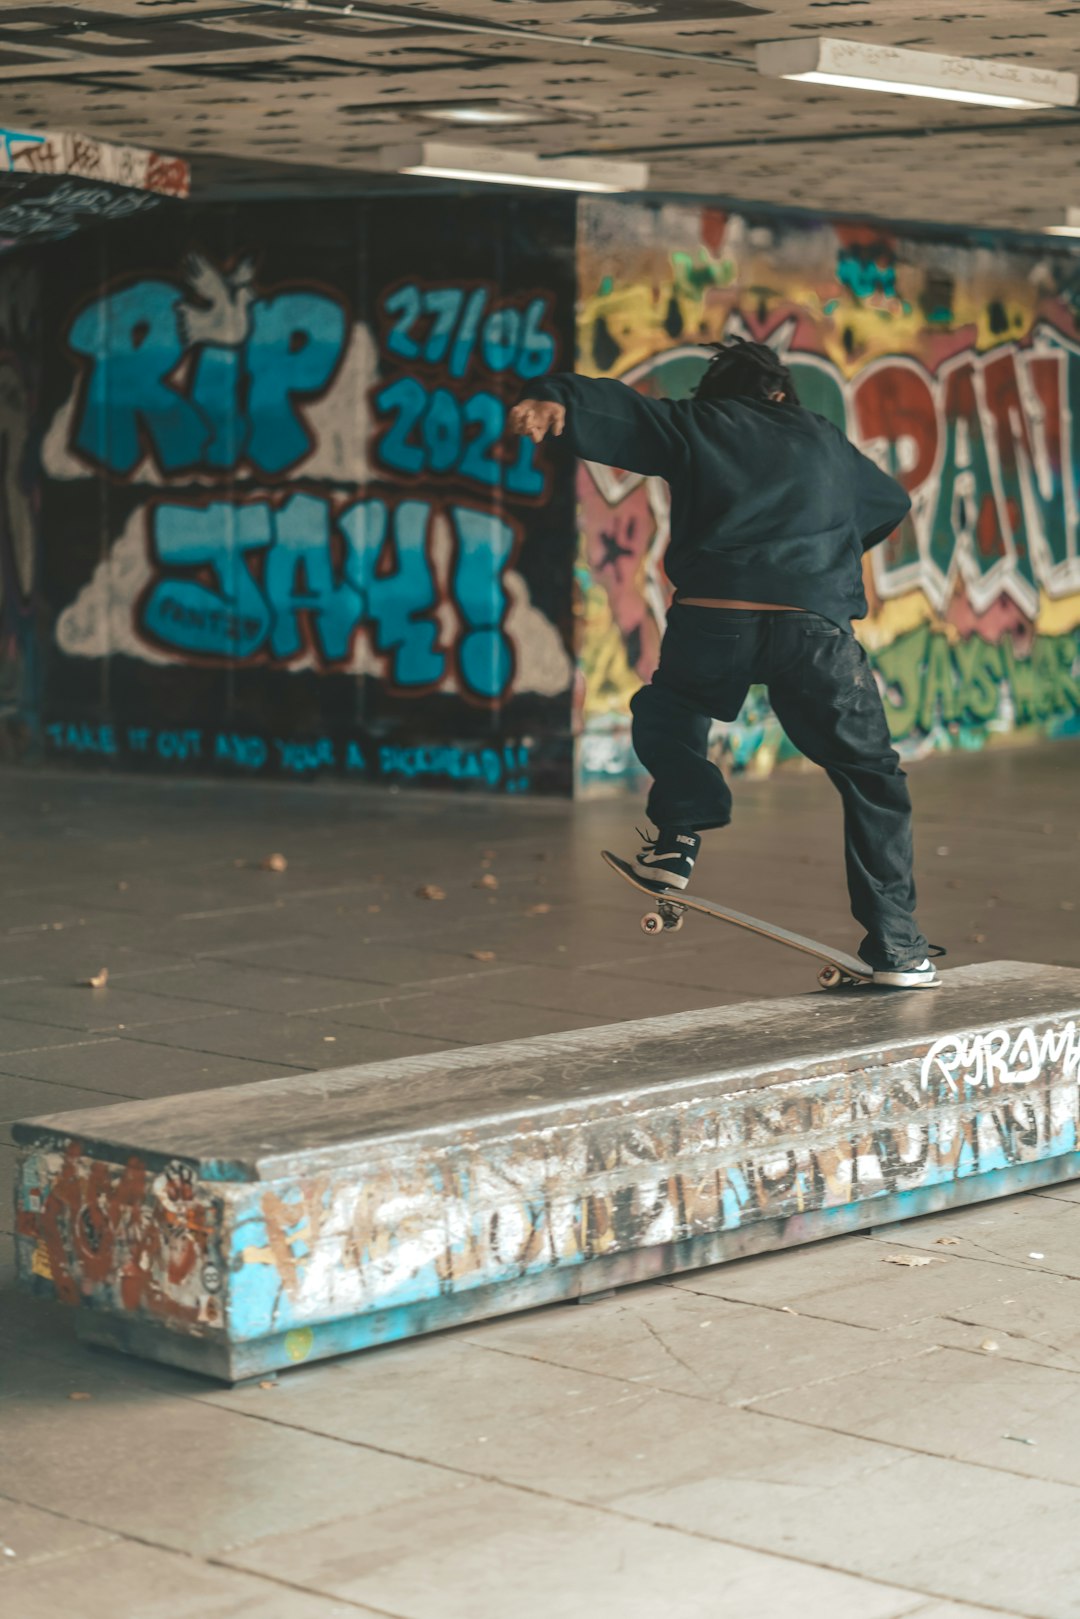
<point>955,364</point>
<point>284,530</point>
<point>281,529</point>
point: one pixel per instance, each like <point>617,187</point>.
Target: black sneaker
<point>667,860</point>
<point>916,975</point>
<point>912,974</point>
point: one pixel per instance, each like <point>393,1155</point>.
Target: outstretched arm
<point>882,502</point>
<point>603,420</point>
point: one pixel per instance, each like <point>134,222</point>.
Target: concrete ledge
<point>247,1229</point>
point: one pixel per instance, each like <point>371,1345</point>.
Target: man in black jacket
<point>772,509</point>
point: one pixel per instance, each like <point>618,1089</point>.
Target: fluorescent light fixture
<point>492,166</point>
<point>854,65</point>
<point>493,113</point>
<point>1071,226</point>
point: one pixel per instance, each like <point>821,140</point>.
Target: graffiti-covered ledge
<point>295,1218</point>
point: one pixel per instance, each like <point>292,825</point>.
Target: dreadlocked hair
<point>739,369</point>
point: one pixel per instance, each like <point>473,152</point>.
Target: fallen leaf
<point>482,955</point>
<point>989,1345</point>
<point>487,881</point>
<point>80,1396</point>
<point>431,891</point>
<point>275,862</point>
<point>538,910</point>
<point>911,1259</point>
<point>946,1242</point>
<point>268,1383</point>
<point>99,980</point>
<point>976,938</point>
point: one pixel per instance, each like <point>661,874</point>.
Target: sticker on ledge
<point>298,1343</point>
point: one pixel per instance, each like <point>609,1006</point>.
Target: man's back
<point>770,502</point>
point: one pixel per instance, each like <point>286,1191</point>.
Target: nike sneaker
<point>667,861</point>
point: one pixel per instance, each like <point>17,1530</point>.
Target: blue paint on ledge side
<point>215,1357</point>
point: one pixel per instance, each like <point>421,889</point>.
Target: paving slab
<point>489,1552</point>
<point>20,1096</point>
<point>133,1066</point>
<point>296,1040</point>
<point>223,984</point>
<point>942,1528</point>
<point>241,1476</point>
<point>667,1338</point>
<point>582,1436</point>
<point>982,1408</point>
<point>105,1582</point>
<point>30,1536</point>
<point>22,1034</point>
<point>1013,1232</point>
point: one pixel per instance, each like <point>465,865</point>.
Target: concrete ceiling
<point>263,96</point>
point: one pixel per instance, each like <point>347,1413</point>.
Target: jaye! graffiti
<point>214,381</point>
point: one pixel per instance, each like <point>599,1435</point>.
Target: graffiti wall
<point>20,386</point>
<point>286,530</point>
<point>956,367</point>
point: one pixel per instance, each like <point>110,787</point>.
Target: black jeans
<point>823,693</point>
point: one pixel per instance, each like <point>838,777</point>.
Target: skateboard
<point>667,917</point>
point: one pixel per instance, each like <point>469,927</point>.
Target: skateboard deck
<point>667,916</point>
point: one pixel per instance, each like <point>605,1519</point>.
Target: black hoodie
<point>769,502</point>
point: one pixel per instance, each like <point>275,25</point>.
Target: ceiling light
<point>494,166</point>
<point>1071,226</point>
<point>491,114</point>
<point>857,66</point>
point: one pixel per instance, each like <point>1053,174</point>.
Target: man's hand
<point>536,418</point>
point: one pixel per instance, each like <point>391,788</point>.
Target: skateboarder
<point>772,509</point>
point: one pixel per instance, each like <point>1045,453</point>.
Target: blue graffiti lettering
<point>299,580</point>
<point>258,579</point>
<point>296,342</point>
<point>399,602</point>
<point>229,618</point>
<point>302,758</point>
<point>485,656</point>
<point>132,340</point>
<point>243,392</point>
<point>431,432</point>
<point>451,327</point>
<point>179,745</point>
<point>67,737</point>
<point>247,752</point>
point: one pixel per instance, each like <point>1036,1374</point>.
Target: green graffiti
<point>696,274</point>
<point>928,682</point>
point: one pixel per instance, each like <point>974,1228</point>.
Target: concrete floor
<point>817,1430</point>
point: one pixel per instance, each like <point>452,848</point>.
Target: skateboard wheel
<point>829,977</point>
<point>652,923</point>
<point>674,925</point>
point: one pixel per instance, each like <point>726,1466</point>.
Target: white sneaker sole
<point>902,980</point>
<point>657,877</point>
